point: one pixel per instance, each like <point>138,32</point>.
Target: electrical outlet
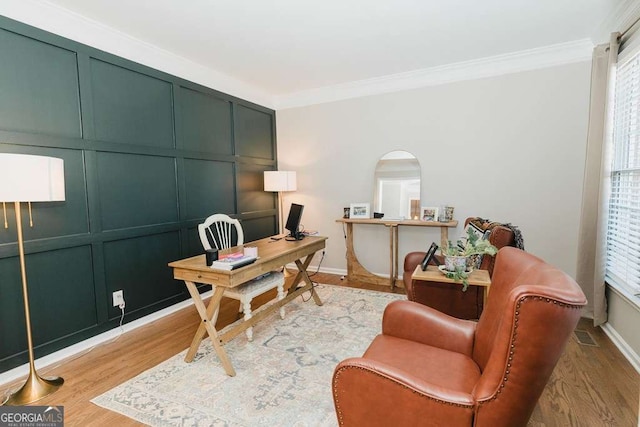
<point>118,298</point>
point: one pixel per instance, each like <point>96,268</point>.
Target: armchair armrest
<point>367,392</point>
<point>411,261</point>
<point>416,322</point>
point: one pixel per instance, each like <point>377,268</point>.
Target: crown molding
<point>549,56</point>
<point>54,19</point>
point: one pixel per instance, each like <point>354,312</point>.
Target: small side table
<point>433,274</point>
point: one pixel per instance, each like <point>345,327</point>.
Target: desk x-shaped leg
<point>302,274</point>
<point>209,314</point>
<point>208,326</point>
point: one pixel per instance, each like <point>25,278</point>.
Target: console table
<point>356,271</point>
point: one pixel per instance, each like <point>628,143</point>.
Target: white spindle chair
<point>219,230</point>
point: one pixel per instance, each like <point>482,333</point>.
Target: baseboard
<point>622,345</point>
<point>312,269</point>
<point>49,361</point>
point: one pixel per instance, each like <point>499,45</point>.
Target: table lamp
<point>26,178</point>
<point>280,181</point>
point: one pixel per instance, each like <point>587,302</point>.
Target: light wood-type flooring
<point>591,386</point>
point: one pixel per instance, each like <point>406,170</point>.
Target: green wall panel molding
<point>61,292</point>
<point>136,190</point>
<point>138,266</point>
<point>130,107</point>
<point>147,157</point>
<point>39,85</point>
<point>251,194</point>
<point>194,246</point>
<point>12,330</point>
<point>206,122</point>
<point>254,132</point>
<point>61,298</point>
<point>258,228</point>
<point>210,188</point>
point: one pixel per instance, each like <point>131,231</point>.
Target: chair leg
<point>246,304</point>
<point>280,297</point>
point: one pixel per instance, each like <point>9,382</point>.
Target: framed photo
<point>430,256</point>
<point>360,211</point>
<point>429,213</point>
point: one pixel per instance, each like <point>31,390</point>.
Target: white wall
<point>509,148</point>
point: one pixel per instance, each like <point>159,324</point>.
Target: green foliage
<point>472,246</point>
<point>459,276</point>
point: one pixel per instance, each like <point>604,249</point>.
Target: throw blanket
<point>518,240</point>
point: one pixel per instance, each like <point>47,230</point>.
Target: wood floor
<point>591,386</point>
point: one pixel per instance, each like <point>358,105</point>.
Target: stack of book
<point>233,261</point>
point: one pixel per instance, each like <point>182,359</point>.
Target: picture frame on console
<point>429,213</point>
<point>360,211</point>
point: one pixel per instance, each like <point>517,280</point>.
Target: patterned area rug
<point>283,377</point>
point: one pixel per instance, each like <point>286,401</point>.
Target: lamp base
<point>34,389</point>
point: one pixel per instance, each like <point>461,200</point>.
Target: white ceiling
<point>283,47</point>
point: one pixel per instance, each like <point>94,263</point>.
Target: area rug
<point>283,377</point>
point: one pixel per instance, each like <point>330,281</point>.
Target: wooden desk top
<point>432,274</point>
<point>272,254</point>
<point>390,222</point>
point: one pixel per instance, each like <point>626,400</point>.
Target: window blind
<point>623,224</point>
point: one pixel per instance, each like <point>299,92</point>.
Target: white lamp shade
<point>279,181</point>
<point>26,178</point>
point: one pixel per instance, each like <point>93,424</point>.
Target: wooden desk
<point>356,271</point>
<point>272,255</point>
<point>432,274</point>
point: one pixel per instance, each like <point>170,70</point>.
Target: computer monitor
<point>293,221</point>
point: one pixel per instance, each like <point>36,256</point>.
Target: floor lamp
<point>280,181</point>
<point>25,178</point>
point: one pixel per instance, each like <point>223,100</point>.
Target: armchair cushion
<point>442,368</point>
<point>429,326</point>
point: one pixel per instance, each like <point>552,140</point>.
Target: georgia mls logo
<point>55,414</point>
<point>31,416</point>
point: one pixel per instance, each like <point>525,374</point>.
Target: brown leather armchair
<point>449,298</point>
<point>431,369</point>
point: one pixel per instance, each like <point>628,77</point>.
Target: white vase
<point>453,263</point>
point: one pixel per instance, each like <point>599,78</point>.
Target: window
<point>623,228</point>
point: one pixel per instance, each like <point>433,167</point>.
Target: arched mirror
<point>397,186</point>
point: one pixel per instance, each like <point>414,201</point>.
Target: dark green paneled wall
<point>205,122</point>
<point>147,157</point>
<point>130,107</point>
<point>39,87</point>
